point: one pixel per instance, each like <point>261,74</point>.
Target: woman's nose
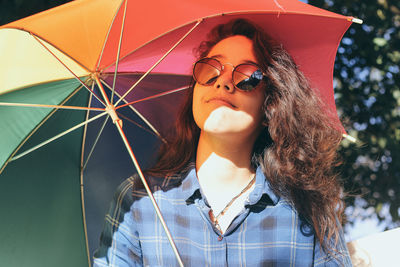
<point>224,81</point>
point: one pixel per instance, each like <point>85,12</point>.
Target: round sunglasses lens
<point>246,77</point>
<point>206,71</point>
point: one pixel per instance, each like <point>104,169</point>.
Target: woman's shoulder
<point>163,182</point>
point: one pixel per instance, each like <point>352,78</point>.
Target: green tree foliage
<point>366,80</point>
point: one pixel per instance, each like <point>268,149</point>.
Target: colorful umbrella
<point>67,73</point>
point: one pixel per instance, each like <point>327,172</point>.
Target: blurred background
<point>366,82</point>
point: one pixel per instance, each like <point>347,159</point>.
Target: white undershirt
<point>237,206</point>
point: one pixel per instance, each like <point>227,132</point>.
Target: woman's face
<point>220,108</point>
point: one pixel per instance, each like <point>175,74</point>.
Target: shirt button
<point>220,238</point>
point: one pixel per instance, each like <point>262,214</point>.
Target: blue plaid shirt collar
<point>191,188</point>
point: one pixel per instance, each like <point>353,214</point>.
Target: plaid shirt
<point>268,231</point>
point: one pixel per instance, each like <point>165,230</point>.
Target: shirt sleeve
<point>119,244</point>
<point>340,256</point>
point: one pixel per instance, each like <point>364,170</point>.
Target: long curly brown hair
<point>297,149</point>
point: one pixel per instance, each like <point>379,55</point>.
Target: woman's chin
<point>224,128</point>
<point>225,121</point>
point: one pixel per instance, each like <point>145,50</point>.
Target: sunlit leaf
<point>379,41</point>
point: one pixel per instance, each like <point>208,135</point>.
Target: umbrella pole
<point>153,201</point>
<point>118,123</point>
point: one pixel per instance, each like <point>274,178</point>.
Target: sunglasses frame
<point>222,68</point>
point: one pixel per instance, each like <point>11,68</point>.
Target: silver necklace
<point>216,218</point>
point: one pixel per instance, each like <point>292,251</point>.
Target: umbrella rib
<point>108,34</point>
<point>139,114</point>
<point>81,179</point>
<point>57,136</point>
<point>37,127</point>
<point>147,122</point>
<point>279,6</point>
<point>159,61</point>
<point>148,42</point>
<point>118,52</point>
<point>154,96</point>
<point>149,193</point>
<point>48,106</point>
<point>95,142</point>
<point>85,129</point>
<point>138,125</point>
<point>62,63</point>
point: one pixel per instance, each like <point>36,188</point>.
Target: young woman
<point>247,178</point>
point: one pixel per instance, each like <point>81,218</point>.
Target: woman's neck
<point>223,163</point>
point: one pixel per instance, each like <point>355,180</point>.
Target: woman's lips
<point>221,101</point>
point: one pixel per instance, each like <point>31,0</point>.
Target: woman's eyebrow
<point>250,61</point>
<point>219,56</point>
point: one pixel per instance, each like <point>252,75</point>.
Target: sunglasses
<point>245,77</point>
